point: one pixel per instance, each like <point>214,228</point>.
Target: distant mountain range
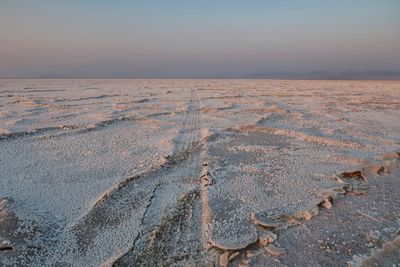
<point>314,75</point>
<point>328,75</point>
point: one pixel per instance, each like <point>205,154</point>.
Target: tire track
<point>163,234</point>
<point>127,219</point>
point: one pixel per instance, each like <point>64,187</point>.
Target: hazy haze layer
<point>192,38</point>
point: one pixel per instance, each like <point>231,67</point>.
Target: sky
<point>154,38</point>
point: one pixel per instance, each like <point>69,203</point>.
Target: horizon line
<point>312,75</point>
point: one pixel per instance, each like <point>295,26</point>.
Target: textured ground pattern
<point>199,173</point>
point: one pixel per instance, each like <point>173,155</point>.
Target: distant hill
<point>328,75</point>
<point>314,75</point>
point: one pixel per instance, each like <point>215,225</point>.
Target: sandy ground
<point>199,173</point>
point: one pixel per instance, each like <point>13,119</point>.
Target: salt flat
<point>199,173</point>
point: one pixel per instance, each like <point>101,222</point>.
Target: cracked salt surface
<point>179,172</point>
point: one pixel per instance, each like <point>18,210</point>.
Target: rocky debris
<point>234,255</point>
<point>274,250</point>
<point>291,220</point>
<point>254,252</point>
<point>5,245</point>
<point>358,175</point>
<point>205,178</point>
<point>266,238</point>
<point>393,155</point>
<point>326,203</point>
<point>224,259</point>
<point>305,215</point>
<point>357,193</point>
<point>347,188</point>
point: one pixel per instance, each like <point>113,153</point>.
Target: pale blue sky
<point>98,38</point>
